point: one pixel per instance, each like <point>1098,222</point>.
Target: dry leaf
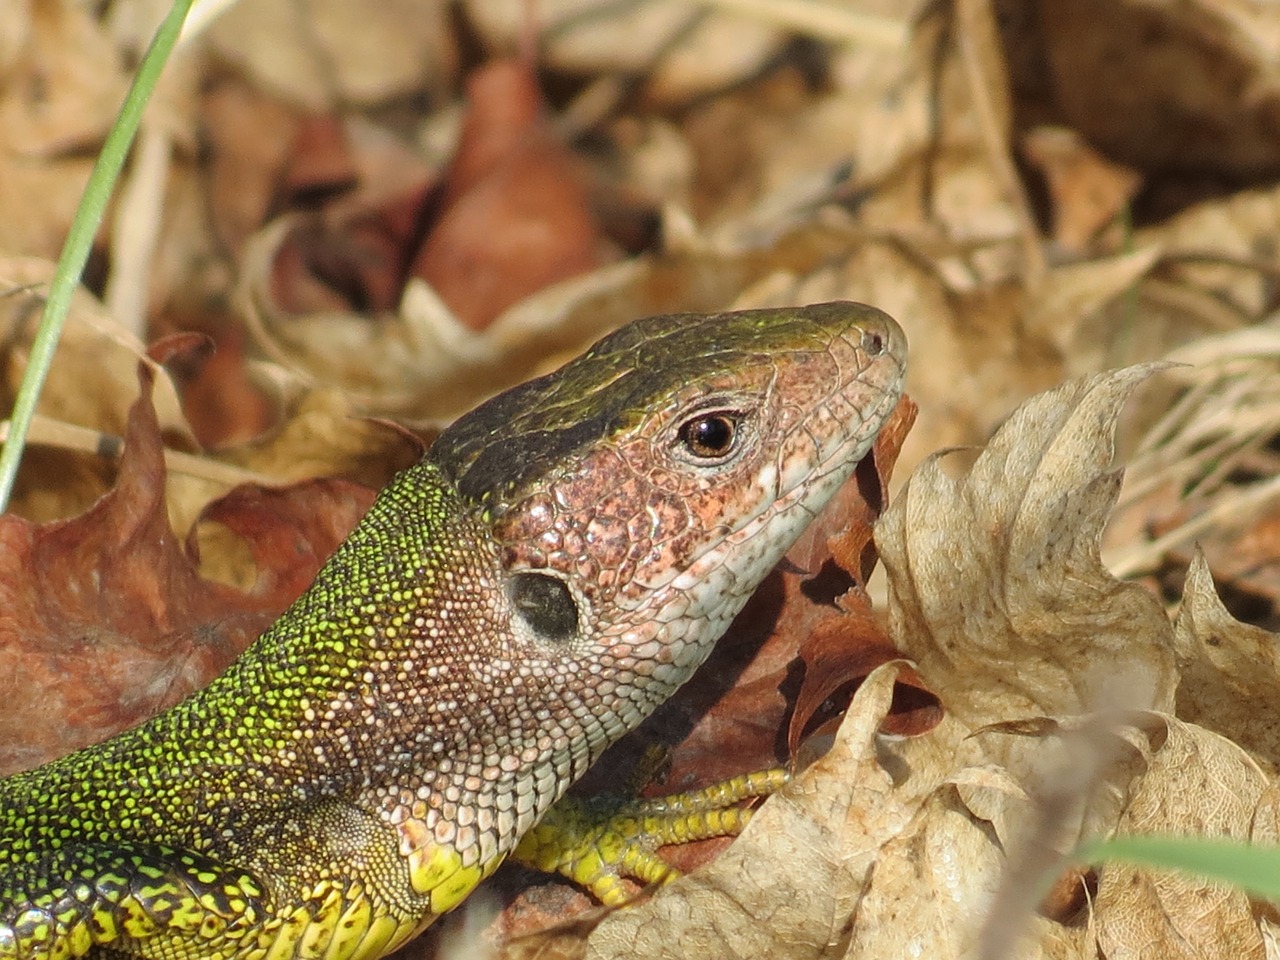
<point>54,106</point>
<point>1199,784</point>
<point>680,51</point>
<point>343,53</point>
<point>105,619</point>
<point>1087,191</point>
<point>1109,64</point>
<point>996,587</point>
<point>96,631</point>
<point>1230,671</point>
<point>514,216</point>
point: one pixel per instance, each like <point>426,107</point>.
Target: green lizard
<point>558,563</point>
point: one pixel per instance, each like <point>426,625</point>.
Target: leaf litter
<point>733,162</point>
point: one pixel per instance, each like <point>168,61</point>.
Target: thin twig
<point>46,431</point>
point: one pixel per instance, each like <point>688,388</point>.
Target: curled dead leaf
<point>996,585</point>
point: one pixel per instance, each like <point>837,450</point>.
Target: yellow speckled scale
<point>560,561</point>
<point>109,895</point>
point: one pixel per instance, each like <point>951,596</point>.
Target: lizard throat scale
<point>559,562</point>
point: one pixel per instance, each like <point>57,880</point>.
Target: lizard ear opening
<point>545,604</point>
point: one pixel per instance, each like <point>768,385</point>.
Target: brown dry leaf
<point>1111,67</point>
<point>425,364</point>
<point>98,613</point>
<point>1230,671</point>
<point>514,216</point>
<point>934,884</point>
<point>324,436</point>
<point>222,404</point>
<point>108,619</point>
<point>1082,310</point>
<point>996,587</point>
<point>93,381</point>
<point>1199,784</point>
<point>288,532</point>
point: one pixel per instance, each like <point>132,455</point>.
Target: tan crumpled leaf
<point>92,383</point>
<point>93,380</point>
<point>1230,670</point>
<point>347,52</point>
<point>59,90</point>
<point>1196,783</point>
<point>996,586</point>
<point>679,50</point>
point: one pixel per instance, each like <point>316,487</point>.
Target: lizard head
<point>639,494</point>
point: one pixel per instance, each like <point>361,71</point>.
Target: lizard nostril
<point>873,343</point>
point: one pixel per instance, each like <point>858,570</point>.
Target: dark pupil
<point>709,436</point>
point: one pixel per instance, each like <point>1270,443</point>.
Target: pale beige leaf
<point>679,50</point>
<point>1199,784</point>
<point>341,53</point>
<point>1230,670</point>
<point>93,380</point>
<point>931,887</point>
<point>996,586</point>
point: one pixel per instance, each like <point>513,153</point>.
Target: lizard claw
<point>598,841</point>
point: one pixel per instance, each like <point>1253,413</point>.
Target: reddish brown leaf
<point>320,162</point>
<point>841,649</point>
<point>351,257</point>
<point>851,547</point>
<point>105,620</point>
<point>838,656</point>
<point>290,532</point>
<point>515,215</point>
<point>94,614</point>
<point>220,402</point>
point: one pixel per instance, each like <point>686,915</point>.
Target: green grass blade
<point>1253,869</point>
<point>75,251</point>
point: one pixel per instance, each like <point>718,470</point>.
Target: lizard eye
<point>710,436</point>
<point>545,604</point>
